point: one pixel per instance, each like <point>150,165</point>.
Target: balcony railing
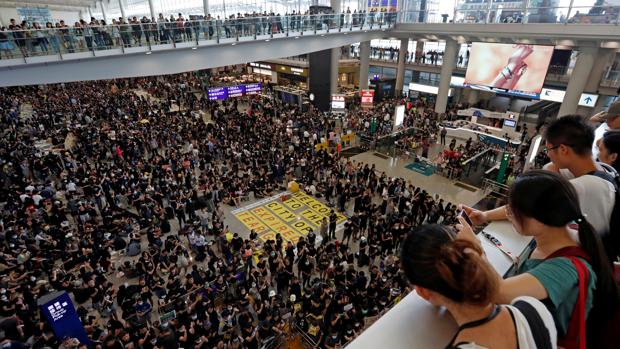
<point>493,12</point>
<point>21,44</point>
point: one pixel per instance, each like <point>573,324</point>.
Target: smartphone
<point>463,214</point>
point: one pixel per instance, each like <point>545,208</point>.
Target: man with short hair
<point>569,143</point>
<point>610,120</point>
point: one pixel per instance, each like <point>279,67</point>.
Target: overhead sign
<point>426,88</point>
<point>217,93</point>
<point>261,65</point>
<point>368,97</point>
<point>588,100</point>
<point>549,94</point>
<point>222,93</point>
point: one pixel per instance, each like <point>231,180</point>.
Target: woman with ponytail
<point>453,273</point>
<point>544,205</point>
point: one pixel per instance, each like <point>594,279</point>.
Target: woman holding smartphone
<point>543,204</point>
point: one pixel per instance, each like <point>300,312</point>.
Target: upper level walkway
<point>141,49</point>
<point>115,51</point>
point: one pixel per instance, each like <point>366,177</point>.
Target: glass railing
<point>494,13</point>
<point>125,37</point>
<point>611,78</point>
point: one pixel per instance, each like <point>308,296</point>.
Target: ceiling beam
<point>49,3</point>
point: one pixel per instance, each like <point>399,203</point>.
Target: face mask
<point>334,337</point>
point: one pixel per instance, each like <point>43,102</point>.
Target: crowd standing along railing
<point>496,12</point>
<point>66,40</point>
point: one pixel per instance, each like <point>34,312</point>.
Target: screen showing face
<point>510,67</point>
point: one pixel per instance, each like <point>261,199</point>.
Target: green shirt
<point>559,277</point>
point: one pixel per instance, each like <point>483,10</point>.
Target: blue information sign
<point>58,310</point>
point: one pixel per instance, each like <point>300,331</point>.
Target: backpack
<point>611,240</point>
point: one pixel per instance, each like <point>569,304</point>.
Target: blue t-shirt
<point>559,277</point>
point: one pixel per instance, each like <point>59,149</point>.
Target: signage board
<point>549,94</point>
<point>57,308</point>
<point>222,93</point>
<point>217,93</point>
<point>588,100</point>
<point>338,103</point>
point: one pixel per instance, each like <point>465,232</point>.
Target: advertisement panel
<point>368,97</point>
<point>508,68</point>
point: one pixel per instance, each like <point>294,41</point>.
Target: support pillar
<point>205,5</point>
<point>578,79</point>
<point>122,8</point>
<point>472,96</point>
<point>364,64</point>
<point>400,72</point>
<point>333,73</point>
<point>449,59</point>
<point>152,9</point>
<point>103,13</point>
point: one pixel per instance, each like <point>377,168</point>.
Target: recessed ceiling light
<point>297,37</point>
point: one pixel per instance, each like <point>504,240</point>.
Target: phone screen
<point>467,219</point>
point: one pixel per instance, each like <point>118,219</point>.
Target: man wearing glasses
<point>569,146</point>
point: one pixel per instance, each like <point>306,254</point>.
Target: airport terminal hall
<point>309,174</point>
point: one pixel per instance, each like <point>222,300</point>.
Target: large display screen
<point>508,68</point>
<point>221,93</point>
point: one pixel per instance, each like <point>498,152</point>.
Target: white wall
<point>70,17</point>
<point>6,13</point>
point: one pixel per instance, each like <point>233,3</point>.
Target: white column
<point>335,4</point>
<point>333,77</point>
<point>400,72</point>
<point>152,9</point>
<point>122,8</point>
<point>449,58</point>
<point>105,15</point>
<point>90,14</point>
<point>578,79</point>
<point>205,5</point>
<point>472,96</point>
<point>364,64</point>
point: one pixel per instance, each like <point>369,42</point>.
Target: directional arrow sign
<point>588,100</point>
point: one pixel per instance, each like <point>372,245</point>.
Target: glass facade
<point>222,8</point>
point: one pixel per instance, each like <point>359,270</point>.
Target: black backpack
<point>611,240</point>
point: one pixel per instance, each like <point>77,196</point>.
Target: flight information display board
<point>222,93</point>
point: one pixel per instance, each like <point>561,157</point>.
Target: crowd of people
<point>26,38</point>
<point>116,196</point>
<point>116,192</point>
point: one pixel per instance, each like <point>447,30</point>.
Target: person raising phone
<point>542,204</point>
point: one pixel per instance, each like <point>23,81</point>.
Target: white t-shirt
<point>596,198</point>
<point>598,134</point>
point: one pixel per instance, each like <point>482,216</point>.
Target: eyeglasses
<point>546,149</point>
